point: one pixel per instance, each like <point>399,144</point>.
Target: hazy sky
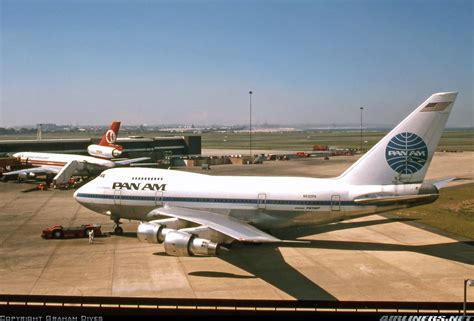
<point>159,62</point>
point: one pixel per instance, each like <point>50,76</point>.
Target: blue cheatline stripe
<point>212,200</point>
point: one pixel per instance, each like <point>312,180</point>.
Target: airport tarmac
<point>375,258</point>
<point>444,164</point>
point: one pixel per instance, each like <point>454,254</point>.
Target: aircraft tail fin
<point>404,155</point>
<point>110,136</point>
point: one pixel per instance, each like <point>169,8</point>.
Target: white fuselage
<point>91,164</point>
<point>266,202</point>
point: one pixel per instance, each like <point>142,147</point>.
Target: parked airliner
<point>66,165</point>
<point>193,214</point>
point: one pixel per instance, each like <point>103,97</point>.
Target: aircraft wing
<point>132,160</point>
<point>229,226</point>
<point>35,170</point>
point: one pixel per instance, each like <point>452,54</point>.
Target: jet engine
<point>155,231</point>
<point>152,233</point>
<point>104,151</point>
<point>24,176</point>
<point>177,242</point>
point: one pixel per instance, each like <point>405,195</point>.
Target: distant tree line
<point>14,131</point>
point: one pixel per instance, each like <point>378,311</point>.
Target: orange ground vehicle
<point>302,154</point>
<point>59,231</point>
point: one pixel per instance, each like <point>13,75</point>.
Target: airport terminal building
<point>156,148</point>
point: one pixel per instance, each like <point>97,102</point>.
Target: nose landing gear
<point>117,229</point>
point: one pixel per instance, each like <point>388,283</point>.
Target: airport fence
<point>138,303</point>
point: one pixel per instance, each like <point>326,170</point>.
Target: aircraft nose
<point>80,193</point>
<point>77,192</point>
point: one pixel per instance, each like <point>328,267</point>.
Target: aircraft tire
<point>118,230</point>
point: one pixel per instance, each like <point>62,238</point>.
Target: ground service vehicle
<point>59,231</point>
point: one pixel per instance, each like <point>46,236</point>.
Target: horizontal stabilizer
<point>443,182</point>
<point>130,161</point>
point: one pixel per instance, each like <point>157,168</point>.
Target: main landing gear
<point>117,229</point>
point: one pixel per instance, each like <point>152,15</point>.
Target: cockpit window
<point>102,175</point>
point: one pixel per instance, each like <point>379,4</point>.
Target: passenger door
<point>335,203</point>
<point>262,201</point>
<point>159,198</point>
<point>117,197</point>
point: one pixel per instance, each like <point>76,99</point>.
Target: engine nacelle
<point>152,233</point>
<point>104,151</point>
<point>155,231</point>
<point>178,243</point>
<point>25,176</point>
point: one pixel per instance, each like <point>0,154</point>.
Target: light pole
<point>466,283</point>
<point>39,132</point>
<point>250,127</point>
<point>361,109</point>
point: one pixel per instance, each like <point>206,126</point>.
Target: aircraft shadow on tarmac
<point>127,234</point>
<point>461,251</point>
<point>214,274</point>
<point>267,263</point>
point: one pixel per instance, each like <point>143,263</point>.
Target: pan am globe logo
<point>406,153</point>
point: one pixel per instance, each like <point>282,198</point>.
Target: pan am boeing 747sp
<point>193,214</point>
